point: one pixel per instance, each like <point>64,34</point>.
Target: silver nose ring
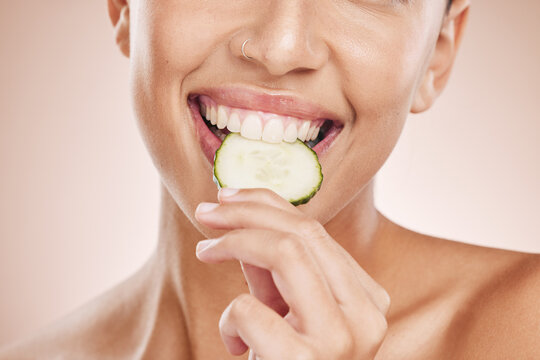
<point>244,50</point>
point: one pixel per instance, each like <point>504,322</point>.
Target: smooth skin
<point>332,279</point>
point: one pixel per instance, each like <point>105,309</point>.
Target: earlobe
<point>443,57</point>
<point>119,15</point>
<point>425,95</point>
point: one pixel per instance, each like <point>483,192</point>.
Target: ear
<point>443,56</point>
<point>119,14</point>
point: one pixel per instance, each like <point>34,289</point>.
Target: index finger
<point>343,273</point>
<point>260,195</point>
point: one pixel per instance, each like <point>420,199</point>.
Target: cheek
<point>380,71</point>
<point>184,34</point>
<point>173,40</point>
<point>171,33</point>
<point>166,50</point>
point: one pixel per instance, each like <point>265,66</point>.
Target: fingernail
<point>227,192</point>
<point>205,207</point>
<point>203,245</point>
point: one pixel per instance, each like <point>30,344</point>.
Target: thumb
<point>262,286</point>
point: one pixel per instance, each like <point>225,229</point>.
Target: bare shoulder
<point>460,266</point>
<point>498,316</point>
<point>102,328</point>
<point>502,317</point>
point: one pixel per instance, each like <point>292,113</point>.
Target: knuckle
<point>382,324</point>
<point>265,194</point>
<point>289,246</point>
<point>377,332</point>
<point>311,228</point>
<point>241,305</point>
<point>304,352</point>
<point>385,301</point>
<point>227,239</point>
<point>231,235</point>
<point>343,343</point>
<point>270,193</point>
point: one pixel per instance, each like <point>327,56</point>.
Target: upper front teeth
<point>251,127</point>
<point>304,130</point>
<point>222,117</point>
<point>291,133</point>
<point>258,125</point>
<point>213,115</point>
<point>273,131</point>
<point>234,124</point>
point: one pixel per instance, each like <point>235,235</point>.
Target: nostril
<point>285,51</point>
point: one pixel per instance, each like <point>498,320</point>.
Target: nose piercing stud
<point>244,51</point>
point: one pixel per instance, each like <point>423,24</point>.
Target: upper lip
<point>279,103</point>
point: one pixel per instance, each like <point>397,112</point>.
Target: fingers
<point>263,196</point>
<point>377,294</point>
<point>262,286</point>
<point>333,308</point>
<point>295,273</point>
<point>247,321</point>
<point>340,269</point>
<point>234,215</point>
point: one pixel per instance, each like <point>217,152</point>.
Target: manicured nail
<point>205,207</point>
<point>203,245</point>
<point>227,192</point>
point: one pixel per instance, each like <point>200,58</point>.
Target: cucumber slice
<point>292,170</point>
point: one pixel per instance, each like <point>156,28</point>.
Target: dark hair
<point>449,4</point>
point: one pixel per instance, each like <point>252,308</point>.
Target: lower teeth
<point>220,133</point>
<point>312,143</point>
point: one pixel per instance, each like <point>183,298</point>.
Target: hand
<point>309,298</point>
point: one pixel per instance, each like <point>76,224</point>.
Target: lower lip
<point>210,142</point>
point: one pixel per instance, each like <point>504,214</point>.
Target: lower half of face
<point>348,68</point>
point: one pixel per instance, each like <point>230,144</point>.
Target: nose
<point>285,39</point>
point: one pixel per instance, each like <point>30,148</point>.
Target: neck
<point>204,291</point>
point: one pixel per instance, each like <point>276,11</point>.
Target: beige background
<point>79,196</point>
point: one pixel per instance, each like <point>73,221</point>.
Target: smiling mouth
<point>222,120</point>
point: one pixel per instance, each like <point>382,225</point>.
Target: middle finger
<point>349,282</point>
<point>296,274</point>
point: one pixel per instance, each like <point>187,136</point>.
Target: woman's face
<point>359,63</point>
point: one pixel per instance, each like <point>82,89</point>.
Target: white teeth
<point>315,133</point>
<point>221,118</point>
<point>234,123</point>
<point>291,132</point>
<point>251,127</point>
<point>310,133</point>
<point>213,115</point>
<point>303,131</point>
<point>273,131</point>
